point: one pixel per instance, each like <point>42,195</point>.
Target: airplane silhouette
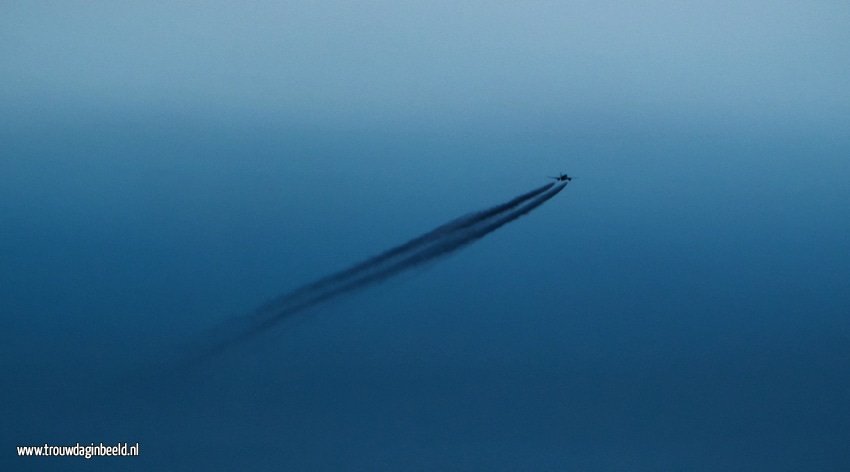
<point>562,178</point>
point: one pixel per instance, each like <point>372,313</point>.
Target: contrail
<point>412,245</point>
<point>432,245</point>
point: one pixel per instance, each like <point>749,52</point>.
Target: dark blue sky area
<point>681,305</point>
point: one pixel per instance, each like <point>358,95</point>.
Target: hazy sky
<point>682,305</point>
<point>384,61</point>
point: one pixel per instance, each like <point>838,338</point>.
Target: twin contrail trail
<point>434,244</point>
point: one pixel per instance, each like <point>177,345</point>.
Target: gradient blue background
<point>683,305</point>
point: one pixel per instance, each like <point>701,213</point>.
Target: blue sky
<point>387,61</point>
<point>682,305</point>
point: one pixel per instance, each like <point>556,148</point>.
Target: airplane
<point>562,178</point>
